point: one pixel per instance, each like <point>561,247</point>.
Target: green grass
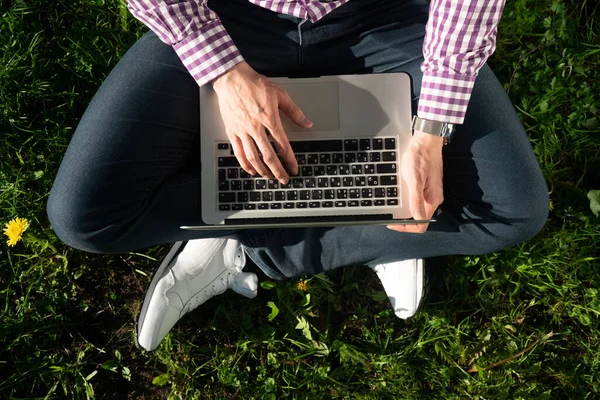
<point>521,323</point>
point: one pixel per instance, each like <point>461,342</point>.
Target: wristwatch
<point>441,129</point>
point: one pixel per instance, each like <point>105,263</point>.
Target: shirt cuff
<point>445,96</point>
<point>208,53</point>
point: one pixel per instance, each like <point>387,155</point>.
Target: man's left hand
<point>422,171</point>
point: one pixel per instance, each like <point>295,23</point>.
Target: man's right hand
<point>249,103</point>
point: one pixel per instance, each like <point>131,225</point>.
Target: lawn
<point>522,323</point>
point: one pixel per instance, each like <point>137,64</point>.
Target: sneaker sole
<point>175,250</point>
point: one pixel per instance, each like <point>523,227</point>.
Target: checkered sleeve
<point>195,32</point>
<point>460,36</point>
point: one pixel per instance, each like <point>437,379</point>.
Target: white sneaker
<point>403,283</point>
<point>192,273</point>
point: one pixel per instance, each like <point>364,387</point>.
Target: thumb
<point>289,108</point>
<point>416,200</point>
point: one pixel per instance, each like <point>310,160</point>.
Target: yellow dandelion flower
<point>551,207</point>
<point>302,286</point>
<point>14,230</point>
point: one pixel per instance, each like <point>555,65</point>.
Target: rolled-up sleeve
<point>195,32</point>
<point>460,37</point>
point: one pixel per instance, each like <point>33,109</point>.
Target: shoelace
<point>217,288</point>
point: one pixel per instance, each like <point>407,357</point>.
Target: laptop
<point>348,161</point>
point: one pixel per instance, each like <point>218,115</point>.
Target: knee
<point>532,215</point>
<point>516,216</point>
<point>524,218</point>
<point>70,224</point>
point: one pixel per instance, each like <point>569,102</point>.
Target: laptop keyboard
<point>332,173</point>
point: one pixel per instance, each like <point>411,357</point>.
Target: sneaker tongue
<point>194,258</point>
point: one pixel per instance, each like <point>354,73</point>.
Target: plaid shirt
<point>460,36</point>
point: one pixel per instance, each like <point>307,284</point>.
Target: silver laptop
<point>349,161</point>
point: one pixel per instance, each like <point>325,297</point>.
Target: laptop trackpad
<point>318,101</point>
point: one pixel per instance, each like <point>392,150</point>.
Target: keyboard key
<point>327,204</point>
<point>273,184</point>
<point>302,205</point>
<point>223,146</point>
<point>380,192</point>
<point>222,174</point>
<point>236,185</point>
<point>375,156</point>
<point>373,180</point>
<point>244,174</point>
<point>280,195</point>
<point>353,203</point>
<point>267,196</point>
<point>317,194</point>
<point>324,158</point>
<point>228,162</point>
<point>306,171</point>
<point>365,144</point>
<point>286,185</point>
<point>354,193</point>
<point>351,145</point>
<point>292,195</point>
<point>242,197</point>
<point>392,202</point>
<point>319,170</point>
<point>349,158</point>
<point>332,170</point>
<point>305,195</point>
<point>337,158</point>
<point>360,181</point>
<point>310,182</point>
<point>379,203</point>
<point>344,169</point>
<point>248,185</point>
<point>297,183</point>
<point>348,181</point>
<point>316,146</point>
<point>392,192</point>
<point>313,158</point>
<point>386,168</point>
<point>366,203</point>
<point>232,173</point>
<point>366,193</point>
<point>301,159</point>
<point>263,206</point>
<point>224,207</point>
<point>329,194</point>
<point>362,157</point>
<point>335,182</point>
<point>227,197</point>
<point>288,206</point>
<point>389,156</point>
<point>236,207</point>
<point>389,180</point>
<point>377,144</point>
<point>342,193</point>
<point>261,184</point>
<point>314,204</point>
<point>224,186</point>
<point>357,169</point>
<point>323,182</point>
<point>254,196</point>
<point>275,206</point>
<point>250,206</point>
<point>340,204</point>
<point>390,143</point>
